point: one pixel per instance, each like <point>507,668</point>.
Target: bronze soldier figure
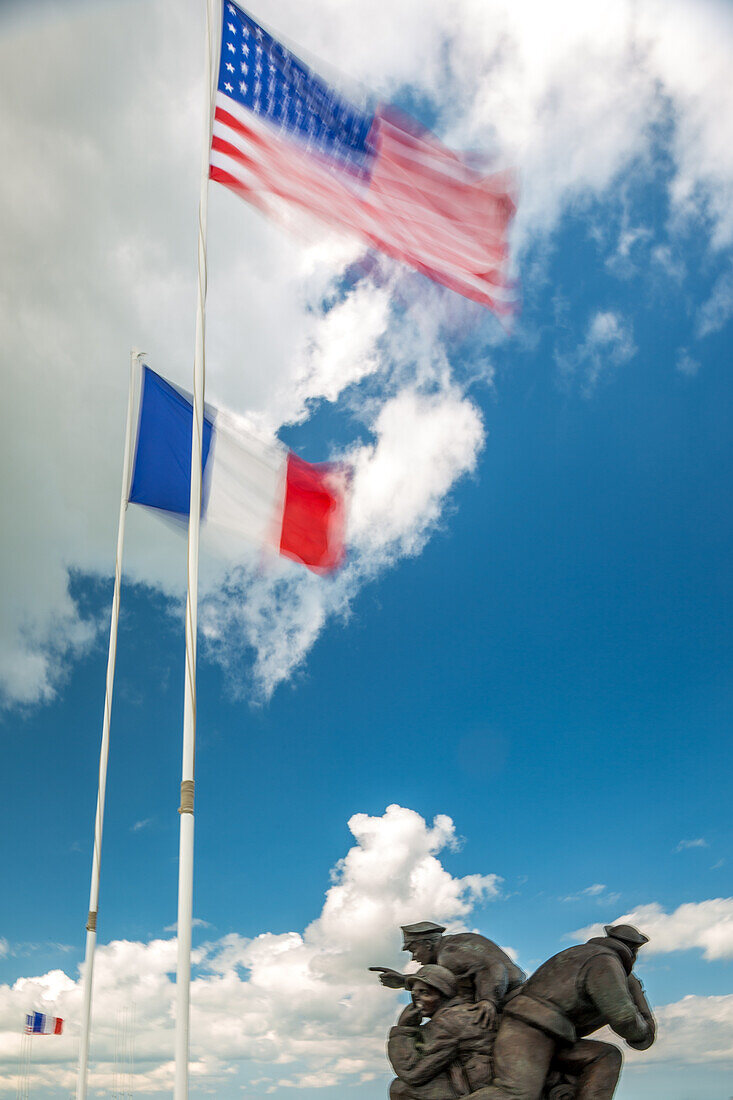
<point>570,996</point>
<point>449,1055</point>
<point>484,973</point>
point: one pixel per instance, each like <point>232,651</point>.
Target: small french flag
<point>37,1023</point>
<point>259,491</point>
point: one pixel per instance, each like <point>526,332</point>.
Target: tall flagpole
<point>81,1085</point>
<point>185,861</point>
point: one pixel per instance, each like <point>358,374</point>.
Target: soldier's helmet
<point>439,977</point>
<point>627,934</point>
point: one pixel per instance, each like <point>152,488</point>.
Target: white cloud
<point>424,442</point>
<point>689,55</point>
<point>299,1008</point>
<point>98,231</point>
<point>692,1031</point>
<point>598,891</point>
<point>689,367</point>
<point>715,313</point>
<point>609,342</point>
<point>706,925</point>
<point>300,1003</point>
<point>685,845</point>
<point>196,922</point>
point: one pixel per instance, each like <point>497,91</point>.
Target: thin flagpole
<point>81,1085</point>
<point>185,861</point>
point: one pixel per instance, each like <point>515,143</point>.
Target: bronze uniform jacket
<point>483,971</point>
<point>580,990</point>
<point>450,1040</point>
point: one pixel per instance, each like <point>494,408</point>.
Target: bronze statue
<point>539,1050</point>
<point>573,994</point>
<point>484,973</point>
<point>448,1056</point>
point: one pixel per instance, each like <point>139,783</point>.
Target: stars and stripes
<point>282,134</point>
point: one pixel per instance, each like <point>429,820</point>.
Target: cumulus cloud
<point>706,925</point>
<point>423,442</point>
<point>98,216</point>
<point>298,1004</point>
<point>299,1008</point>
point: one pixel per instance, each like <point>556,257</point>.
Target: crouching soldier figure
<point>574,993</point>
<point>447,1056</point>
<point>484,973</point>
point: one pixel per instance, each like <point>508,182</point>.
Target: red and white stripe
<point>423,204</point>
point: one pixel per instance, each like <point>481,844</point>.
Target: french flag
<point>259,491</point>
<point>37,1023</point>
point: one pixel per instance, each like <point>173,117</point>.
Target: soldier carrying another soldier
<point>484,973</point>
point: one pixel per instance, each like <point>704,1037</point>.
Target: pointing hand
<point>391,978</point>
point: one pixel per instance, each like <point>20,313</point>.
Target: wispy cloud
<point>686,364</point>
<point>718,309</point>
<point>598,891</point>
<point>609,343</point>
<point>685,845</point>
<point>197,922</point>
<point>144,824</point>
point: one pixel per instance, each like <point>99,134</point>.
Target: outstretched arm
<point>391,978</point>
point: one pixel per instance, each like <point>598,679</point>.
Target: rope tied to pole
<point>187,787</point>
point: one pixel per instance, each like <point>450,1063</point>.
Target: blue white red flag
<point>37,1023</point>
<point>257,490</point>
<point>281,134</point>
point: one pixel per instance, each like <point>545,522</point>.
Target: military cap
<point>412,932</point>
<point>626,934</point>
<point>439,977</point>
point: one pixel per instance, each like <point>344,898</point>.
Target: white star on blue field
<point>510,711</point>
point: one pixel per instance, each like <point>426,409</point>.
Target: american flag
<point>281,134</point>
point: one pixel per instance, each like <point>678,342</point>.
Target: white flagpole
<point>185,861</point>
<point>81,1086</point>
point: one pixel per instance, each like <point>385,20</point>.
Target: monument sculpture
<point>484,973</point>
<point>476,1028</point>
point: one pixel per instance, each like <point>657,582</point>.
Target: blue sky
<point>538,648</point>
